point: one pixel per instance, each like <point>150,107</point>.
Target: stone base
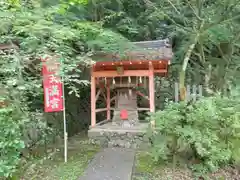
<point>108,135</point>
<point>124,124</point>
<point>132,117</point>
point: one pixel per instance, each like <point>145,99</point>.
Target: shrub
<point>10,141</point>
<point>207,130</point>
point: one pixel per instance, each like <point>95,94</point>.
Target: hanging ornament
<point>129,79</point>
<point>97,80</point>
<point>140,79</point>
<point>114,81</point>
<point>145,82</point>
<point>130,92</point>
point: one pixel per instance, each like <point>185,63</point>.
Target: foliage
<point>53,167</point>
<point>10,140</point>
<point>38,32</point>
<point>12,112</point>
<point>76,29</point>
<point>213,56</point>
<point>212,59</point>
<point>207,130</point>
<point>44,31</point>
<point>11,120</point>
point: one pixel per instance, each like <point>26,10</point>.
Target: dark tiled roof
<point>154,45</point>
<point>152,50</point>
<point>144,50</point>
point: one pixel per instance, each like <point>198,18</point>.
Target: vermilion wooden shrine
<point>124,76</point>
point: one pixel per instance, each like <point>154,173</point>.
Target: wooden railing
<point>193,92</point>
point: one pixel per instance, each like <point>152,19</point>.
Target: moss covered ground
<point>146,169</point>
<point>50,167</point>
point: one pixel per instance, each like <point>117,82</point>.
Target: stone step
<point>111,164</point>
<point>114,136</point>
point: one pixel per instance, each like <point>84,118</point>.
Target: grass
<point>144,163</point>
<point>80,152</point>
<point>146,169</point>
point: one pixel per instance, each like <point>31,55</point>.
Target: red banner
<point>52,84</point>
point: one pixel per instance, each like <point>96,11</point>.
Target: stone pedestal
<point>109,135</point>
<point>126,124</point>
<point>126,99</point>
<point>132,118</point>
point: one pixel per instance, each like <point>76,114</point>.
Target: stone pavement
<point>111,164</point>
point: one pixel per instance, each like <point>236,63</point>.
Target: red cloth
<point>124,114</point>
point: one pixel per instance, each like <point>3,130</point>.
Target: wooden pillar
<point>151,88</point>
<point>93,101</point>
<point>108,101</point>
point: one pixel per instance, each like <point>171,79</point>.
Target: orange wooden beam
<point>97,95</point>
<point>143,109</point>
<point>132,62</point>
<point>101,110</point>
<point>93,101</point>
<point>126,73</point>
<point>108,100</point>
<point>151,88</point>
<point>160,70</point>
<point>113,98</point>
<point>104,96</point>
<point>141,94</point>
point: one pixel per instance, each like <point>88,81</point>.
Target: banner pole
<point>64,118</point>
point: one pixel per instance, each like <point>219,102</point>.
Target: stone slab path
<point>111,164</point>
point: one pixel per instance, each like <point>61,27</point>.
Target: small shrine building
<point>124,76</point>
